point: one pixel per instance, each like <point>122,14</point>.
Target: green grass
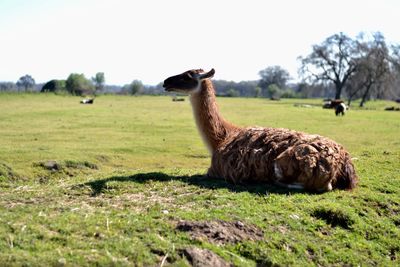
<point>129,168</point>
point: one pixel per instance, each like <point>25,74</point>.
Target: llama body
<point>284,157</point>
<point>280,156</point>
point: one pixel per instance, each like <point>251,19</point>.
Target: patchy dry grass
<point>107,184</point>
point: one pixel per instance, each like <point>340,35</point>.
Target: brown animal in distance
<point>272,155</point>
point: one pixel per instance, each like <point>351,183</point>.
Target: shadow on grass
<point>98,186</point>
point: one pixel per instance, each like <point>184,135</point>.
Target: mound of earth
<point>204,258</point>
<point>221,232</point>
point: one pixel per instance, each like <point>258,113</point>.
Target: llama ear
<point>207,75</point>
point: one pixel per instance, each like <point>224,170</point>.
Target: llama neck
<point>212,126</point>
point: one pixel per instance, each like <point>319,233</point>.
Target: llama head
<point>187,82</point>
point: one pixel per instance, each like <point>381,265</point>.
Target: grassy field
<point>110,183</point>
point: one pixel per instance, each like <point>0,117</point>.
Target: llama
<point>340,109</point>
<point>268,155</point>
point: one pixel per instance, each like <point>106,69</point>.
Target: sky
<point>150,40</point>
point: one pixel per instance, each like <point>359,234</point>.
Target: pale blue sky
<point>150,40</point>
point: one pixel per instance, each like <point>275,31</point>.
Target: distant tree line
<point>364,68</point>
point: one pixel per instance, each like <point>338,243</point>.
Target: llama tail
<point>347,179</point>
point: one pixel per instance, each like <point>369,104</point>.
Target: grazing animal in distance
<point>340,109</point>
<point>254,154</point>
<point>329,103</point>
<point>87,101</point>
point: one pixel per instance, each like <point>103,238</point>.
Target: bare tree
<point>335,60</point>
<point>395,64</point>
<point>373,70</point>
<point>395,57</point>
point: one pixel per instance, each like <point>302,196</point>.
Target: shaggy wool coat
<point>271,155</point>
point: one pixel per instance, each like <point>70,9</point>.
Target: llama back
<point>248,155</point>
<point>284,157</point>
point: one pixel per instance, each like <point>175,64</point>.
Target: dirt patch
<point>80,165</point>
<point>221,232</point>
<point>204,258</point>
<point>54,166</point>
<point>50,165</point>
<point>59,169</point>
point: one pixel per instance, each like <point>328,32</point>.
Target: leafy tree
<point>53,86</point>
<point>26,82</point>
<point>274,91</point>
<point>99,81</point>
<point>257,91</point>
<point>136,87</point>
<point>335,60</point>
<point>273,75</point>
<point>232,93</point>
<point>77,84</point>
